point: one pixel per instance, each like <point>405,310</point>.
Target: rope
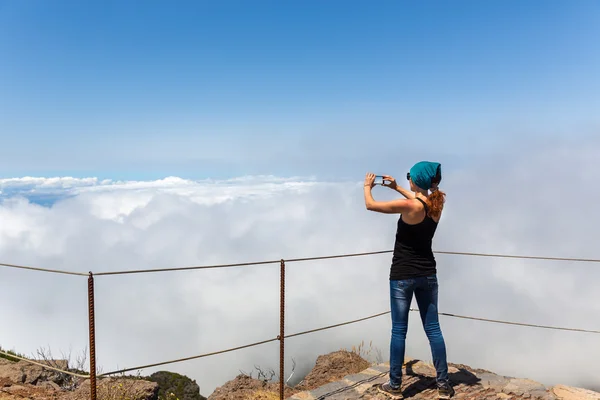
<point>590,260</point>
<point>336,325</point>
<point>339,256</point>
<point>187,358</point>
<point>245,264</point>
<point>458,253</point>
<point>516,323</point>
<point>139,271</point>
<point>56,271</point>
<point>44,365</point>
<point>448,315</point>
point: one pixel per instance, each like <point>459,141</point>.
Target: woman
<point>413,269</point>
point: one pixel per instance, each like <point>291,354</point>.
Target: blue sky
<point>143,90</point>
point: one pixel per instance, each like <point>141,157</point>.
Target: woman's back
<point>413,256</point>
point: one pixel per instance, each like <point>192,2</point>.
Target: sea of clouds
<point>540,202</point>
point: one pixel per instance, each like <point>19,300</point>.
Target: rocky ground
<point>21,380</point>
<point>344,375</point>
<point>338,375</point>
<point>419,383</point>
<point>328,368</point>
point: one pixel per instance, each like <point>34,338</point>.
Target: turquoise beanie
<point>424,172</point>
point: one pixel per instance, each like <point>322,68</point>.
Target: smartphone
<point>378,180</point>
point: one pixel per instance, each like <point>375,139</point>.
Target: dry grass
<point>371,354</point>
<point>264,395</point>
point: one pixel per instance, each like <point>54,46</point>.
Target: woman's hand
<point>370,180</point>
<point>392,182</point>
<point>394,185</point>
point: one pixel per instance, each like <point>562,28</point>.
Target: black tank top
<point>413,256</point>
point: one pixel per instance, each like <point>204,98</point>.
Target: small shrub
<point>264,395</point>
<point>9,358</point>
<point>173,386</point>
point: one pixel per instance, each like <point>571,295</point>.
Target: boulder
<point>332,367</point>
<point>572,393</point>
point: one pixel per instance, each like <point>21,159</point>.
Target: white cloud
<point>511,205</point>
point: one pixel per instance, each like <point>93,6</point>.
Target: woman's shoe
<point>386,389</point>
<point>445,391</point>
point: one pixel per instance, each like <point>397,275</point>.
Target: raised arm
<point>394,185</point>
<point>398,206</point>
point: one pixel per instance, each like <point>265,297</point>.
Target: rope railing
<point>327,257</point>
<point>143,271</point>
<point>335,326</point>
<point>120,371</point>
<point>55,271</point>
<point>347,255</point>
<point>281,337</point>
<point>516,323</point>
<point>46,366</point>
<point>546,258</point>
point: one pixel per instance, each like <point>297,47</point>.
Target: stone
<point>11,371</point>
<point>492,380</point>
<point>419,384</point>
<point>24,372</point>
<point>49,385</point>
<point>573,393</point>
<point>328,388</point>
<point>302,396</point>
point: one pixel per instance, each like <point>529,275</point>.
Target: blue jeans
<point>425,290</point>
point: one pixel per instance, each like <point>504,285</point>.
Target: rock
<point>11,370</point>
<point>244,387</point>
<point>15,389</point>
<point>49,385</point>
<point>117,388</point>
<point>523,386</point>
<point>418,383</point>
<point>332,367</point>
<point>572,393</point>
<point>23,392</point>
<point>21,380</point>
<point>492,380</point>
<point>33,373</point>
<point>328,368</point>
<point>24,372</point>
<point>241,387</point>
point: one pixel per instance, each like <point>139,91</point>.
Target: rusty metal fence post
<point>281,336</point>
<point>92,337</point>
